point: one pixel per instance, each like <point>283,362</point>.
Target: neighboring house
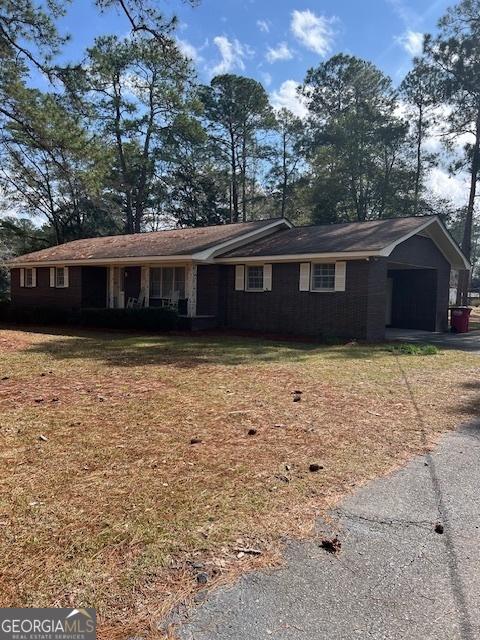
<point>346,280</point>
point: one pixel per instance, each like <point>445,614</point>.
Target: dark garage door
<point>413,299</point>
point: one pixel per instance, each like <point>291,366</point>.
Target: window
<point>29,278</point>
<point>323,277</point>
<point>60,277</point>
<point>255,278</point>
<point>164,281</point>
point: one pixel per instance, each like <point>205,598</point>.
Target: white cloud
<point>188,50</point>
<point>267,78</point>
<point>233,54</point>
<point>452,188</point>
<point>404,12</point>
<point>412,42</point>
<point>314,32</point>
<point>288,98</point>
<point>263,25</point>
<point>280,52</point>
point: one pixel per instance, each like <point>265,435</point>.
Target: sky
<point>277,41</point>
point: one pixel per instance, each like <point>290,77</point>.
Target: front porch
<point>141,285</point>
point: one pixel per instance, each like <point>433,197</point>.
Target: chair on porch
<point>137,303</point>
<point>172,302</point>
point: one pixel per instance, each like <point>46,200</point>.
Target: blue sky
<point>277,41</point>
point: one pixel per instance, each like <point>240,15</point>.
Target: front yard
<point>134,469</point>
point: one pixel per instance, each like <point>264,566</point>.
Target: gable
<point>419,251</point>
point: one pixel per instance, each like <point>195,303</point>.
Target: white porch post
<point>191,290</point>
<point>121,287</point>
<point>145,284</point>
<point>111,286</point>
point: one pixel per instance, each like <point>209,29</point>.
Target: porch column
<point>191,289</point>
<point>111,286</point>
<point>145,285</point>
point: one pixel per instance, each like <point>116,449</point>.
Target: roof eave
<point>298,257</point>
<point>98,262</point>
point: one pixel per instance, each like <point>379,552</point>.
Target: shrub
<point>4,310</point>
<point>33,315</point>
<point>152,319</point>
<point>409,349</point>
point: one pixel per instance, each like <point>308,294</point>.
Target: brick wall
<point>358,312</point>
<point>208,289</point>
<point>43,295</point>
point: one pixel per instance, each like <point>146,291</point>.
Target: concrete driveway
<point>462,341</point>
<point>395,577</point>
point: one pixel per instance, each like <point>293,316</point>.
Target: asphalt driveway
<point>394,578</point>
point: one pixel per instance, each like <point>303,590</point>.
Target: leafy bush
<point>152,319</point>
<point>33,315</point>
<point>4,308</point>
<point>408,349</point>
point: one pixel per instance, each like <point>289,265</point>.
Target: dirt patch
<point>164,461</point>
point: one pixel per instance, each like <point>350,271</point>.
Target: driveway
<point>394,578</point>
<point>462,341</point>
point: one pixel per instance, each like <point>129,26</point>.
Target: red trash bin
<point>459,319</point>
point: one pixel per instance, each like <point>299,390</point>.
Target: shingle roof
<point>372,235</point>
<point>158,243</point>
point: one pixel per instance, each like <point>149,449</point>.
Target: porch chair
<point>172,303</point>
<point>137,303</point>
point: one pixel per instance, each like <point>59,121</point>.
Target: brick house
<point>344,280</point>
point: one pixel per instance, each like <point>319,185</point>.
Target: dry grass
<point>113,504</point>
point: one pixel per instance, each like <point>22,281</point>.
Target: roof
<point>349,240</point>
<point>271,240</point>
<point>173,242</point>
<point>367,236</point>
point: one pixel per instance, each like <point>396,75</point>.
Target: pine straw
<point>112,509</point>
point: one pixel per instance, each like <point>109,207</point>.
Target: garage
<point>417,289</point>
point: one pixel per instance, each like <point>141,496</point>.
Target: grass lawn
<point>106,501</point>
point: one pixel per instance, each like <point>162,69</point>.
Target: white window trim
<point>167,266</point>
<point>53,278</point>
<point>262,288</point>
<point>65,278</point>
<point>322,290</point>
<point>34,277</point>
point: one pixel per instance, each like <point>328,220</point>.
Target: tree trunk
<point>129,225</point>
<point>233,168</point>
<point>142,181</point>
<point>285,175</point>
<point>464,276</point>
<point>244,178</point>
<point>419,160</point>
